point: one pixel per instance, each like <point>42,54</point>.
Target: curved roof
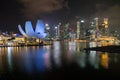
<point>40,31</point>
<point>29,31</point>
<point>21,30</point>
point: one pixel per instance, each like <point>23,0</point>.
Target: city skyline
<point>16,12</point>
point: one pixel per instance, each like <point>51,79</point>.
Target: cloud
<point>34,8</point>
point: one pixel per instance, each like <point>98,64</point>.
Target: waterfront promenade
<point>27,44</point>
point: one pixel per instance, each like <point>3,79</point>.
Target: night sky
<point>14,12</point>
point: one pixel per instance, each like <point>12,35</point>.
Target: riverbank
<point>110,49</point>
<point>27,44</point>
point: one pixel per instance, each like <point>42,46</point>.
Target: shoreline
<point>27,44</point>
<point>110,48</point>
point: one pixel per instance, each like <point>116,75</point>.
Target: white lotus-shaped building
<point>29,32</point>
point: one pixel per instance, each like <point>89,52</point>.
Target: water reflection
<point>56,54</point>
<point>10,58</point>
<point>1,59</point>
<point>82,59</point>
<point>39,59</point>
<point>34,59</point>
<point>44,58</point>
<point>47,57</point>
<point>104,61</point>
<point>93,59</point>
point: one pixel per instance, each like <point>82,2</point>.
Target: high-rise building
<point>97,27</point>
<point>106,22</point>
<point>106,25</point>
<point>78,30</point>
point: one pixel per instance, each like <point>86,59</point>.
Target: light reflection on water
<point>10,58</point>
<point>40,59</point>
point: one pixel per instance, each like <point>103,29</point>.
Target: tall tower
<point>106,25</point>
<point>47,30</point>
<point>59,30</point>
<point>78,29</point>
<point>106,22</point>
<point>97,29</point>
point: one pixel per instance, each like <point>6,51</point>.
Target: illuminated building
<point>82,29</point>
<point>106,25</point>
<point>29,31</point>
<point>97,29</point>
<point>78,30</point>
<point>47,30</point>
<point>106,22</point>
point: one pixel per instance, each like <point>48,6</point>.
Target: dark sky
<point>14,12</point>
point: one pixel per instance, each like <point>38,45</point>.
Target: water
<point>62,60</point>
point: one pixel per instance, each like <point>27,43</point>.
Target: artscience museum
<point>29,32</point>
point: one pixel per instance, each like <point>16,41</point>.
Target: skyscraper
<point>78,29</point>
